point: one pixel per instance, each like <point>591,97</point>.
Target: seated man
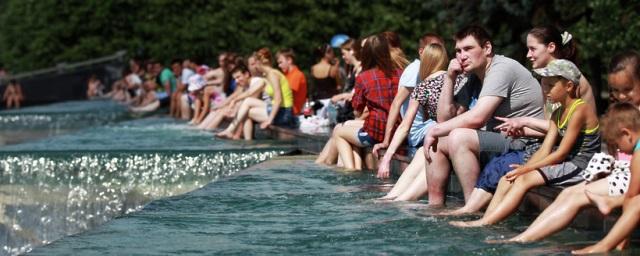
<point>507,90</point>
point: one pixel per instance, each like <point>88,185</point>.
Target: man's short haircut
<point>240,68</point>
<point>626,60</point>
<point>428,38</point>
<point>176,61</point>
<point>479,33</point>
<point>287,53</point>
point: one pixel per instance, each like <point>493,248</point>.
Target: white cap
<point>196,82</point>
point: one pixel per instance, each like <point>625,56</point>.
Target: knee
<point>460,139</point>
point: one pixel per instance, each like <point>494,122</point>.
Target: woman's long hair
<point>434,58</point>
<point>375,54</point>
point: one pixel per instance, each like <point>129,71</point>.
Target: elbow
<point>476,121</point>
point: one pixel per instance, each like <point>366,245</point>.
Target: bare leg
<point>417,189</point>
<point>207,120</point>
<point>345,138</point>
<point>464,149</point>
<point>503,188</point>
<point>620,231</point>
<point>357,158</point>
<point>247,130</point>
<point>185,109</point>
<point>561,212</point>
<point>604,203</point>
<point>478,199</point>
<point>438,173</point>
<point>247,105</point>
<point>510,202</point>
<point>329,153</point>
<point>410,173</point>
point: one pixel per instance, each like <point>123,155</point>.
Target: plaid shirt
<point>375,91</point>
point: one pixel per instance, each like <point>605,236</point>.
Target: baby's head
<point>621,126</point>
<point>150,85</point>
<point>624,77</point>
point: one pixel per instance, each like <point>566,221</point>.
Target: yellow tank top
<point>287,95</point>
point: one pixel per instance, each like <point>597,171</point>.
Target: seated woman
<point>568,146</point>
<point>147,100</point>
<point>342,101</point>
<point>424,98</point>
<point>277,112</point>
<point>13,94</point>
<point>375,88</point>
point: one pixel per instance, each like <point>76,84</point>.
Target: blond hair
<point>434,58</point>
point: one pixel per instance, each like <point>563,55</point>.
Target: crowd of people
<point>502,128</point>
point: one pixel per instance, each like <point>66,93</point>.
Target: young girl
<point>573,129</point>
<point>621,126</point>
<point>544,45</point>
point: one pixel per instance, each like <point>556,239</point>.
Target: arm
<point>474,118</point>
<point>358,101</point>
<point>523,126</point>
<point>447,108</point>
<point>277,99</point>
<point>215,76</point>
<point>342,96</point>
<point>206,101</point>
<point>394,112</point>
<point>231,99</point>
<point>399,136</point>
<point>634,184</point>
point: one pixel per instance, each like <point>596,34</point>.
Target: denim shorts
<point>365,139</point>
<point>284,118</point>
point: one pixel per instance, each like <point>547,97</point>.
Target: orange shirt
<point>298,84</point>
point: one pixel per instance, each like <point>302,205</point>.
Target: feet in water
<point>602,202</point>
<point>224,135</point>
<point>457,212</point>
<point>590,250</point>
<point>468,224</point>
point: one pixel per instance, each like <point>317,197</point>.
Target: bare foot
<point>388,197</point>
<point>501,241</point>
<point>224,135</point>
<point>456,212</point>
<point>590,250</point>
<point>468,224</point>
<point>602,202</point>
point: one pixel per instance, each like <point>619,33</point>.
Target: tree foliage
<point>40,33</point>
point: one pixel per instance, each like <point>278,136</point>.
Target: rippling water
<point>71,183</point>
<point>291,206</point>
<point>59,118</point>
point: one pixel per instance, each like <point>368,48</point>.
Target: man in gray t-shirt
<point>507,90</point>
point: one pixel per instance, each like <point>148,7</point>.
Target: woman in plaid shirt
<point>375,89</point>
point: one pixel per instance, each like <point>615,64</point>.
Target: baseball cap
<point>562,68</point>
